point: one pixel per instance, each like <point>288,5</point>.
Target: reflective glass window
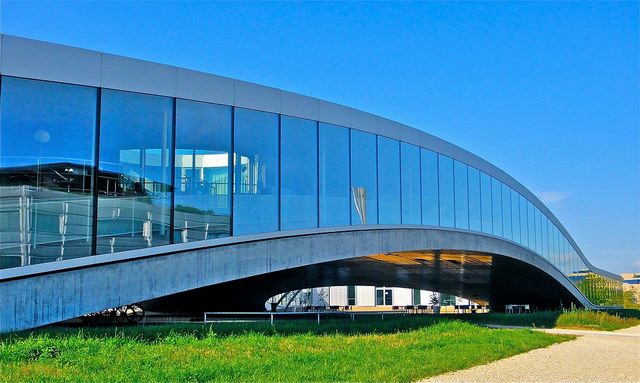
<point>445,177</point>
<point>556,246</point>
<point>565,255</point>
<point>299,174</point>
<point>515,215</point>
<point>506,212</point>
<point>538,223</point>
<point>335,194</point>
<point>389,210</point>
<point>202,166</point>
<point>531,225</point>
<point>496,204</point>
<point>460,177</point>
<point>135,171</point>
<point>256,172</point>
<point>364,178</point>
<point>485,197</point>
<point>429,180</point>
<point>545,243</point>
<point>524,222</point>
<point>411,210</point>
<point>47,135</point>
<point>475,215</point>
<point>550,239</point>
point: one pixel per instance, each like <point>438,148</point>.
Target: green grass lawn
<point>337,350</point>
<point>607,320</point>
<point>595,320</point>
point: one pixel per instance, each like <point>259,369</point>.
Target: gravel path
<point>596,356</point>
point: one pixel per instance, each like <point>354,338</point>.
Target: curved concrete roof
<point>22,57</point>
<point>117,279</point>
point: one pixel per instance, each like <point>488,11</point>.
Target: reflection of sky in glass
<point>46,122</point>
<point>335,193</point>
<point>388,181</point>
<point>461,195</point>
<point>445,173</point>
<point>299,163</point>
<point>135,130</point>
<point>429,173</point>
<point>411,212</point>
<point>364,175</point>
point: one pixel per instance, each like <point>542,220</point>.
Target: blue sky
<point>549,92</point>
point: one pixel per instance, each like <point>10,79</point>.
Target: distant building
<point>365,298</point>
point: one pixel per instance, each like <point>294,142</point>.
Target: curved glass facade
<point>88,171</point>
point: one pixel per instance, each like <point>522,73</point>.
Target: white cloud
<point>553,196</point>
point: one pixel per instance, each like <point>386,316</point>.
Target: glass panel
<point>496,204</point>
<point>538,223</point>
<point>515,215</point>
<point>351,295</point>
<point>524,222</point>
<point>135,171</point>
<point>364,180</point>
<point>461,195</point>
<point>445,173</point>
<point>410,184</point>
<point>389,181</point>
<point>335,194</point>
<point>485,196</point>
<point>531,225</point>
<point>47,136</point>
<point>299,164</point>
<point>256,178</point>
<point>556,247</point>
<point>550,228</point>
<point>475,216</point>
<point>545,243</point>
<point>203,185</point>
<point>429,179</point>
<point>506,212</point>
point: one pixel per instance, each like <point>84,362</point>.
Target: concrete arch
<point>143,275</point>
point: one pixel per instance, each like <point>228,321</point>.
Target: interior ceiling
<point>483,278</point>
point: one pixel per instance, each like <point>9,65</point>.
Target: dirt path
<point>596,356</point>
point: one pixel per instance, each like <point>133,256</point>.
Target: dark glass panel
<point>429,181</point>
<point>545,243</point>
<point>389,181</point>
<point>461,195</point>
<point>485,196</point>
<point>411,210</point>
<point>445,181</point>
<point>475,207</point>
<point>47,146</point>
<point>531,225</point>
<point>335,194</point>
<point>524,222</point>
<point>202,160</point>
<point>515,216</point>
<point>496,205</point>
<point>538,223</point>
<point>506,212</point>
<point>134,182</point>
<point>299,159</point>
<point>364,180</point>
<point>256,172</point>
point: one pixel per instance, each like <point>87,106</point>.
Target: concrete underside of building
<point>244,273</point>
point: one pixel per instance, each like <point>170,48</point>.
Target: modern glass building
<point>102,154</point>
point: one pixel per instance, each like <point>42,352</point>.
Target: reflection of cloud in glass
<point>42,136</point>
<point>553,196</point>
